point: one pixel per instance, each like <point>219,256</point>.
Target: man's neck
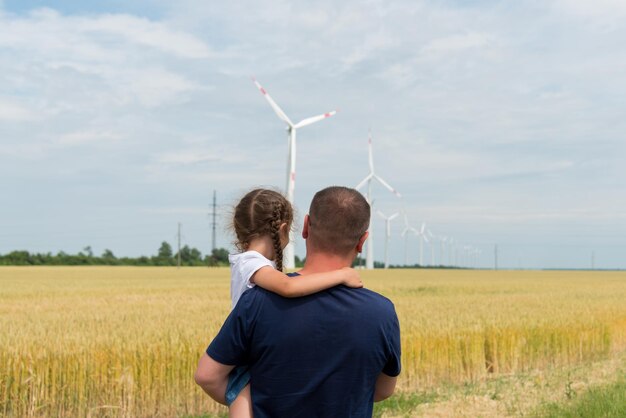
<point>318,262</point>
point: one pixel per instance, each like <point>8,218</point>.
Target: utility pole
<point>178,266</point>
<point>495,253</point>
<point>213,222</point>
<point>593,260</point>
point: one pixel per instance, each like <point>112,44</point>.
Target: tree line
<point>165,257</point>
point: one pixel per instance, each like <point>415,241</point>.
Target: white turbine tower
<point>433,239</point>
<point>387,232</point>
<point>369,260</point>
<point>451,251</point>
<point>442,244</point>
<point>405,233</point>
<point>422,234</point>
<point>289,255</point>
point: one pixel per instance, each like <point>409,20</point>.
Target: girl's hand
<point>352,278</point>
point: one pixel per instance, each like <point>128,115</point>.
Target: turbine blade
<point>423,228</point>
<point>308,121</point>
<point>277,109</point>
<point>395,215</point>
<point>384,183</point>
<point>362,183</point>
<point>382,215</point>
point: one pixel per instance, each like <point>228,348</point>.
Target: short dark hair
<point>338,216</point>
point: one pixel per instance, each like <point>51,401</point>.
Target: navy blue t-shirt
<point>313,356</point>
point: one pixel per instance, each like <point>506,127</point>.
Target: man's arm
<point>386,381</point>
<point>229,347</point>
<point>212,377</point>
<point>385,386</point>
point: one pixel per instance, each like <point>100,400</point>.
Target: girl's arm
<point>293,287</point>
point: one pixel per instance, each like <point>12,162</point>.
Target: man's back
<point>318,355</point>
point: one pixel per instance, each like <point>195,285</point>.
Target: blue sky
<point>498,122</point>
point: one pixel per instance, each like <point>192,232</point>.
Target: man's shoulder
<point>375,296</point>
<point>364,299</point>
<point>374,300</point>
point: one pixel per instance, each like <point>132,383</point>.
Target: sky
<point>500,123</point>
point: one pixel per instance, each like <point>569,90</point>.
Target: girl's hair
<point>259,213</point>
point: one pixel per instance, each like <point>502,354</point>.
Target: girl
<point>262,222</point>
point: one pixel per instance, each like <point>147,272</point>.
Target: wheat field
<point>124,341</point>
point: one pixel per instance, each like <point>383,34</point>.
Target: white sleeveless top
<point>242,268</point>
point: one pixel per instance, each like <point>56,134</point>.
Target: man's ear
<point>305,227</point>
<point>359,245</point>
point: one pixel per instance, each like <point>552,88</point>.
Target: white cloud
<point>374,43</point>
<point>153,87</point>
<point>23,151</point>
<point>137,59</point>
<point>187,157</point>
<point>603,10</point>
<point>86,137</point>
<point>147,33</point>
<point>92,37</point>
<point>13,112</point>
<point>456,43</point>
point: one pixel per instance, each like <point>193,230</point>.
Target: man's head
<point>337,221</point>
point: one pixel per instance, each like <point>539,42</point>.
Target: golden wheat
<point>124,341</point>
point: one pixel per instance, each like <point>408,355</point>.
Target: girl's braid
<point>275,231</point>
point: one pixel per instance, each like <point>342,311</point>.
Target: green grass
<point>607,401</point>
<point>398,405</point>
<point>403,403</point>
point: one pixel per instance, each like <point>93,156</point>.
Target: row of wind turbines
<point>458,255</point>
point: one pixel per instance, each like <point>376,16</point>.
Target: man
<point>330,354</point>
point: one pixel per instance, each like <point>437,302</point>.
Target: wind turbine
<point>387,232</point>
<point>442,244</point>
<point>369,261</point>
<point>288,252</point>
<point>467,254</point>
<point>421,233</point>
<point>451,243</point>
<point>407,228</point>
<point>433,239</point>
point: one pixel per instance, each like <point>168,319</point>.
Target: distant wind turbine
<point>433,239</point>
<point>387,232</point>
<point>289,255</point>
<point>451,243</point>
<point>369,261</point>
<point>422,234</point>
<point>405,233</point>
<point>442,244</point>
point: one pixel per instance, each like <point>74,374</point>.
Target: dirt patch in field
<point>519,395</point>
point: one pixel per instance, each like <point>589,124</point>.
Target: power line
<point>213,214</point>
<point>178,266</point>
